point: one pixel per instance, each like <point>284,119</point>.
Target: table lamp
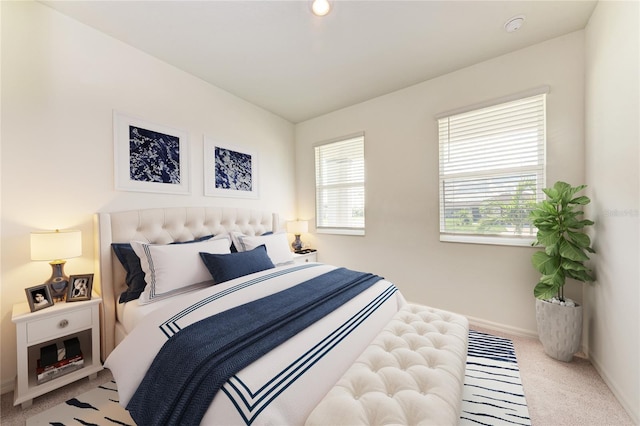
<point>297,227</point>
<point>56,246</point>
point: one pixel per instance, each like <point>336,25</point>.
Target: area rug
<point>493,393</point>
<point>99,406</point>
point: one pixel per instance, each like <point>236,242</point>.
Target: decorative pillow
<point>225,267</point>
<point>174,268</point>
<point>277,246</point>
<point>233,241</point>
<point>134,273</point>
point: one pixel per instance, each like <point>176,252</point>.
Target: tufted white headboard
<point>160,226</point>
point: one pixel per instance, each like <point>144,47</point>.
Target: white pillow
<point>277,246</point>
<point>175,268</point>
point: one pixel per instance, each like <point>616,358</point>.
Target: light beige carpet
<point>564,393</point>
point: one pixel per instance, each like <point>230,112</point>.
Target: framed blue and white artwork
<point>150,157</point>
<point>229,171</point>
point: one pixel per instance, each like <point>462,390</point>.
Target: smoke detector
<point>514,23</point>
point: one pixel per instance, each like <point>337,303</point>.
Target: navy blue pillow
<point>135,275</point>
<point>225,267</point>
<point>131,264</point>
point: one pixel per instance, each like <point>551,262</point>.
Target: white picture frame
<point>159,162</point>
<point>229,171</point>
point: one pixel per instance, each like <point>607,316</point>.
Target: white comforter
<point>283,386</point>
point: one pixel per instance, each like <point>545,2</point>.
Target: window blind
<point>340,185</point>
<point>492,170</point>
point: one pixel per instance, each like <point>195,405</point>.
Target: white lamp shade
<point>298,227</point>
<point>54,245</point>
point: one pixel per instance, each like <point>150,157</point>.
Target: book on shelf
<point>58,351</point>
<point>60,368</point>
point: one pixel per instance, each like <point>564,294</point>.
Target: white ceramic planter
<point>559,329</point>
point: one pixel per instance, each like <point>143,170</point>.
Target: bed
<point>258,339</point>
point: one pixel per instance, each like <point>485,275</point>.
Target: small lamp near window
<point>296,228</point>
<point>56,246</point>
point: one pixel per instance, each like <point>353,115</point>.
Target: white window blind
<point>340,186</point>
<point>492,171</point>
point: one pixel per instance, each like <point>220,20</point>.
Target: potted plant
<point>561,226</point>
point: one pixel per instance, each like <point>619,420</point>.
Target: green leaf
<point>544,291</point>
<point>579,239</point>
<point>571,251</point>
<point>549,285</point>
<point>552,193</point>
<point>561,187</point>
<point>583,200</point>
<point>572,223</point>
<point>544,263</point>
<point>546,226</point>
<point>580,276</point>
<point>551,250</point>
<point>572,265</point>
<point>548,238</point>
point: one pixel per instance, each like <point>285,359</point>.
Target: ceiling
<point>277,55</point>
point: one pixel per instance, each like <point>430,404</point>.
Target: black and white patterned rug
<point>99,406</point>
<point>492,395</point>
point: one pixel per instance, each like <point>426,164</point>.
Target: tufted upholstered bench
<point>411,374</point>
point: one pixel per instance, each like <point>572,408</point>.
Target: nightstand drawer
<point>62,324</point>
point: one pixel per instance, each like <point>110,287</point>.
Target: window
<point>340,186</point>
<point>492,172</point>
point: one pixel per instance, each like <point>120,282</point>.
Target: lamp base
<point>58,281</point>
<point>297,244</point>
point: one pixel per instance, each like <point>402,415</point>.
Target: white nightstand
<point>51,325</point>
<point>305,258</point>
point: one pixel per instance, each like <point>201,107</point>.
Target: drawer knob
<point>63,323</point>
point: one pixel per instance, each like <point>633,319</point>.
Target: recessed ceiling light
<point>320,7</point>
<point>514,23</point>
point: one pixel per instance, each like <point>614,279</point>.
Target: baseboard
<point>7,386</point>
<point>630,407</point>
<point>515,331</point>
<point>520,332</point>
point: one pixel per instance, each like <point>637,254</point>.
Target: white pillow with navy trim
<point>277,246</point>
<point>170,269</point>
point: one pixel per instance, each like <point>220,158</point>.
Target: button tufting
<point>412,359</point>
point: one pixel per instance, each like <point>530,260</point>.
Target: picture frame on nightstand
<point>80,287</point>
<point>39,297</point>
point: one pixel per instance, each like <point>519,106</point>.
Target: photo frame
<point>39,297</point>
<point>149,157</point>
<point>80,287</point>
<point>229,171</point>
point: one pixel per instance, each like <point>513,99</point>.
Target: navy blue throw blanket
<point>194,364</point>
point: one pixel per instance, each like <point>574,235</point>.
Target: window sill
<point>491,240</point>
<point>339,231</point>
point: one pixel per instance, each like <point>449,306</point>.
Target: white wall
<point>491,283</point>
<point>61,81</point>
<point>612,162</point>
